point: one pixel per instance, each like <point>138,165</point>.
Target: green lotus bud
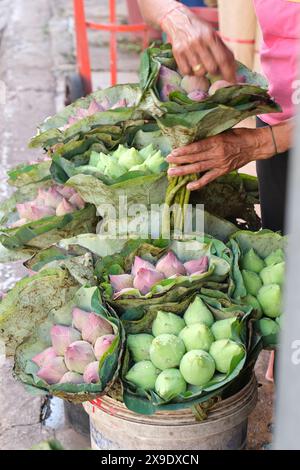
<point>275,257</point>
<point>139,346</point>
<point>224,351</point>
<point>270,300</point>
<point>252,282</point>
<point>147,151</point>
<point>142,168</point>
<point>253,302</point>
<point>99,160</point>
<point>166,351</point>
<point>156,163</point>
<point>197,312</point>
<point>273,274</point>
<point>169,384</point>
<point>197,336</point>
<point>222,329</point>
<point>143,374</point>
<point>268,327</point>
<point>252,262</point>
<point>166,322</point>
<point>197,367</point>
<point>120,150</point>
<point>129,158</point>
<point>114,170</point>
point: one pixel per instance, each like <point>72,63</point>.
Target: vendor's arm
<point>195,43</point>
<point>218,155</point>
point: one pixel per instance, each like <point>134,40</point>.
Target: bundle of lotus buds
<point>76,350</point>
<point>57,200</point>
<point>183,353</point>
<point>144,275</point>
<point>263,279</point>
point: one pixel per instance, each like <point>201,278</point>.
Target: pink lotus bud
<point>64,207</point>
<point>102,344</point>
<point>53,371</point>
<point>32,211</point>
<point>71,378</point>
<point>119,104</point>
<point>50,197</point>
<point>19,223</point>
<point>146,278</point>
<point>77,201</point>
<point>78,355</point>
<point>94,108</point>
<point>44,357</point>
<point>166,90</point>
<point>91,373</point>
<point>170,265</point>
<point>94,327</point>
<point>127,291</point>
<point>197,266</point>
<point>62,337</point>
<point>197,95</point>
<point>65,191</point>
<point>80,317</point>
<point>140,263</point>
<point>121,281</point>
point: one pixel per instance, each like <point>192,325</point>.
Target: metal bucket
<point>114,427</point>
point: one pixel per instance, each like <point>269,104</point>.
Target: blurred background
<point>38,68</point>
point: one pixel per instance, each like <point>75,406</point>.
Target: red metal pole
<point>113,43</point>
<point>83,57</point>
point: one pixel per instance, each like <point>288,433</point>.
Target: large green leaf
<point>27,173</point>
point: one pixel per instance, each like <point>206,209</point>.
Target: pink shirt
<point>280,53</point>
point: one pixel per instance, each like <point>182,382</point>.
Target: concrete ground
<point>36,52</point>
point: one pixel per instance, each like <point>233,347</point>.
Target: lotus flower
<point>170,265</point>
<point>122,103</point>
<point>146,278</point>
<point>114,169</point>
<point>127,291</point>
<point>121,281</point>
<point>99,160</point>
<point>94,327</point>
<point>166,351</point>
<point>91,373</point>
<point>217,85</point>
<point>44,357</point>
<point>72,378</point>
<point>129,158</point>
<point>78,356</point>
<point>166,90</point>
<point>197,367</point>
<point>102,345</point>
<point>147,151</point>
<point>65,191</point>
<point>191,83</point>
<point>32,211</point>
<point>252,262</point>
<point>198,266</point>
<point>64,208</point>
<point>19,223</point>
<point>168,76</point>
<point>139,346</point>
<point>77,201</point>
<point>143,374</point>
<point>169,384</point>
<point>197,95</point>
<point>140,263</point>
<point>223,351</point>
<point>50,197</point>
<point>156,163</point>
<point>62,337</point>
<point>80,317</point>
<point>53,371</point>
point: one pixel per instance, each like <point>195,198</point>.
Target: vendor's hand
<point>196,46</point>
<point>221,154</point>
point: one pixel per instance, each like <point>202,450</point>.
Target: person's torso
<point>280,53</point>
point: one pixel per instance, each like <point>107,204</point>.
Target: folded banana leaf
<point>29,311</point>
<point>28,173</point>
<point>184,120</point>
<point>105,108</point>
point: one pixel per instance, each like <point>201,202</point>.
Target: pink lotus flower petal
<point>140,263</point>
<point>77,201</point>
<point>32,211</point>
<point>120,104</point>
<point>53,371</point>
<point>94,108</point>
<point>127,291</point>
<point>91,373</point>
<point>102,344</point>
<point>45,356</point>
<point>78,355</point>
<point>146,278</point>
<point>50,197</point>
<point>198,266</point>
<point>64,207</point>
<point>197,95</point>
<point>80,317</point>
<point>121,281</point>
<point>66,191</point>
<point>94,327</point>
<point>62,337</point>
<point>170,265</point>
<point>72,378</point>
